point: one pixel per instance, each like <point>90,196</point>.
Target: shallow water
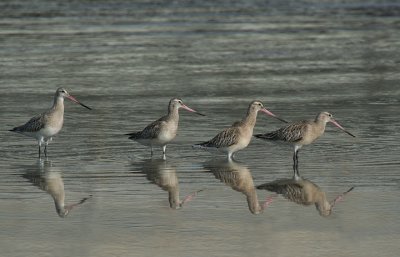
<point>126,60</point>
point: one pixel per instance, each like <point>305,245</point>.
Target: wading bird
<point>47,124</point>
<point>163,130</point>
<point>302,133</point>
<point>238,136</point>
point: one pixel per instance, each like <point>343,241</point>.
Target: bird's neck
<point>59,197</point>
<point>320,196</point>
<point>58,104</point>
<point>322,204</point>
<point>60,207</point>
<point>251,118</point>
<point>173,197</point>
<point>173,114</point>
<point>252,201</point>
<point>320,125</point>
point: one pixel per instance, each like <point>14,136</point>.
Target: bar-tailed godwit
<point>239,178</point>
<point>163,174</point>
<point>163,130</point>
<point>302,133</point>
<point>47,124</point>
<point>303,191</point>
<point>50,181</point>
<point>238,136</point>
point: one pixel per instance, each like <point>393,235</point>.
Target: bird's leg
<point>295,166</point>
<point>294,163</point>
<point>163,151</point>
<point>151,150</point>
<point>296,160</point>
<point>40,147</point>
<point>45,149</point>
<point>46,143</point>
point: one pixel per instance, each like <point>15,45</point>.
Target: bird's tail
<point>133,135</point>
<point>267,136</point>
<point>14,129</point>
<point>269,187</point>
<point>203,145</point>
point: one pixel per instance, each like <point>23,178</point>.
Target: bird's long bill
<point>340,197</point>
<point>191,110</point>
<point>69,207</point>
<point>73,99</point>
<point>338,125</point>
<point>273,115</point>
<point>268,201</point>
<point>190,197</point>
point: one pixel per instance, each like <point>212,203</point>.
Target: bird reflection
<point>46,178</point>
<point>239,178</point>
<point>163,174</point>
<point>303,191</point>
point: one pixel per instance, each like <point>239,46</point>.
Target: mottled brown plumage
<point>35,124</point>
<point>239,178</point>
<point>291,133</point>
<point>225,138</point>
<point>163,174</point>
<point>44,126</point>
<point>238,136</point>
<point>152,130</point>
<point>304,192</point>
<point>164,130</point>
<point>302,133</point>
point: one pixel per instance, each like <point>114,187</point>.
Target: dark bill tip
<point>349,133</point>
<point>276,117</point>
<point>87,107</point>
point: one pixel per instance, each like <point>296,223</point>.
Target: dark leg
<point>45,150</point>
<point>296,163</point>
<point>39,151</point>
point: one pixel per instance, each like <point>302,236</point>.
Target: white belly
<point>165,137</point>
<point>49,131</point>
<point>161,140</point>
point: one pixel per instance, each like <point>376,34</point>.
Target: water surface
<point>127,59</point>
